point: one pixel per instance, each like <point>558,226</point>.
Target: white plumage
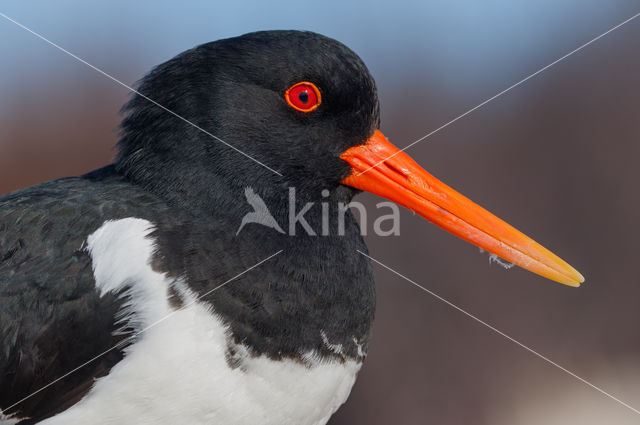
<point>176,371</point>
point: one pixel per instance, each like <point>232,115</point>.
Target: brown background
<point>557,157</point>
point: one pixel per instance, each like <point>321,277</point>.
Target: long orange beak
<point>381,168</point>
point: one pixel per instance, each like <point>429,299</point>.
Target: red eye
<point>303,96</point>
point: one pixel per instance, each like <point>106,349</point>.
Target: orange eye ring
<point>303,96</point>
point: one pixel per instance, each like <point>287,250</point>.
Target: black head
<point>235,89</point>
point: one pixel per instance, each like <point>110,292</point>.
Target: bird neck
<point>291,304</point>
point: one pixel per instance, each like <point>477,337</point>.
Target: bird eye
<point>303,96</point>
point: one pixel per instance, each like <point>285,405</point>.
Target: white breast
<point>177,372</point>
<point>8,420</point>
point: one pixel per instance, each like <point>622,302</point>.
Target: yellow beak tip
<point>575,280</point>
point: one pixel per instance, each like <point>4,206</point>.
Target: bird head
<point>277,109</point>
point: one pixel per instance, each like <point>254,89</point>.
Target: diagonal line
<point>138,93</point>
<point>499,332</point>
<point>124,341</point>
<point>503,92</point>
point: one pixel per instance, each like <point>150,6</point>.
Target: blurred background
<point>557,157</point>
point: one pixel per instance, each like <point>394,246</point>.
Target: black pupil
<point>303,96</point>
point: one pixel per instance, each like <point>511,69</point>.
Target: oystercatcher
<point>216,319</point>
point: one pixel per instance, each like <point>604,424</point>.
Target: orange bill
<point>381,168</point>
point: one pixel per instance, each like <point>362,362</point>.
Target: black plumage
<point>191,187</point>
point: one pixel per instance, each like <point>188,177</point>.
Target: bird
<point>150,291</point>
